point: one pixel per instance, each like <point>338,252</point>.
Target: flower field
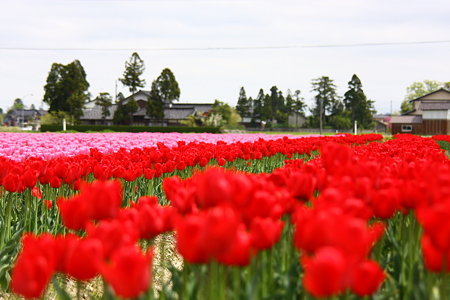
<point>250,216</point>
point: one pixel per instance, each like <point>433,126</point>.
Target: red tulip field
<point>172,216</point>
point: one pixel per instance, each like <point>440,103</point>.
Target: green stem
<point>6,230</point>
<point>79,288</point>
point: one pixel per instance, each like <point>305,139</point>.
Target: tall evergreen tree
<point>325,98</point>
<point>133,70</point>
<point>289,105</point>
<point>354,97</point>
<point>66,88</point>
<point>280,114</point>
<point>257,106</point>
<point>355,101</point>
<point>274,98</point>
<point>164,91</point>
<point>281,102</point>
<point>167,87</point>
<point>243,105</point>
<point>266,109</point>
<point>299,102</point>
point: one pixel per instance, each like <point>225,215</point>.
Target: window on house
<point>406,128</point>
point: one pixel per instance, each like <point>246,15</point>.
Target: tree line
<point>66,92</point>
<point>329,109</point>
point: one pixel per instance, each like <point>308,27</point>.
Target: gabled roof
<point>26,112</point>
<point>410,119</point>
<point>434,106</point>
<point>434,92</point>
<point>95,113</point>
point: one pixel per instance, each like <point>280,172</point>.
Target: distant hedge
<point>121,128</point>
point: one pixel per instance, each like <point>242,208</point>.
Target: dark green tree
<point>355,101</point>
<point>155,104</point>
<point>66,89</point>
<point>299,102</point>
<point>243,106</point>
<point>289,105</point>
<point>257,106</point>
<point>280,114</point>
<point>164,91</point>
<point>266,109</point>
<point>133,70</point>
<point>131,107</point>
<point>326,99</point>
<point>274,99</point>
<point>166,87</point>
<point>105,101</point>
<point>124,112</point>
<point>120,116</point>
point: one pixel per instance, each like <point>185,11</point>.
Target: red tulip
<point>11,182</point>
<point>265,232</point>
<point>34,267</point>
<point>129,272</point>
<point>84,260</point>
<point>36,192</point>
<point>367,277</point>
<point>325,273</point>
<point>74,212</point>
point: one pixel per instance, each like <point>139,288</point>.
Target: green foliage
<point>222,114</point>
<point>419,89</point>
<point>18,104</point>
<point>119,128</point>
<point>105,101</point>
<point>66,88</point>
<point>361,109</point>
<point>198,118</point>
<point>257,105</point>
<point>298,104</point>
<point>266,109</point>
<point>406,106</point>
<point>326,100</point>
<point>340,122</point>
<point>54,118</point>
<point>244,105</point>
<point>133,70</point>
<point>124,112</point>
<point>166,87</point>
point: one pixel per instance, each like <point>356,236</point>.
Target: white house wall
<point>435,115</point>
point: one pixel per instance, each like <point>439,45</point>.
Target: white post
<point>355,130</point>
<point>64,124</point>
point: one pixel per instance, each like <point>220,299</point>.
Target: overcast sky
<point>216,47</point>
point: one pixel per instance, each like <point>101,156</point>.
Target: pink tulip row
<point>20,146</point>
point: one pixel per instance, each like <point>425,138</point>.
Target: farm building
<point>430,115</point>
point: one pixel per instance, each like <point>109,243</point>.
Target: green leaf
<point>62,293</point>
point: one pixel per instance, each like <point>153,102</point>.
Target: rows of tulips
<point>342,216</point>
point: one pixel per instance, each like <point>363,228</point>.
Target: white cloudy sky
<point>216,47</point>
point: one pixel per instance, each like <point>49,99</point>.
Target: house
<point>430,115</point>
<point>173,113</point>
<point>295,119</point>
<point>24,117</point>
<point>382,122</point>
